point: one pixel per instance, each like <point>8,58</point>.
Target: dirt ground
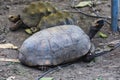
<point>106,67</point>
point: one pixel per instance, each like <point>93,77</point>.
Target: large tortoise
<point>58,45</point>
<point>37,14</point>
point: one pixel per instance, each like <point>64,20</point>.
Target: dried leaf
<point>28,31</point>
<point>102,35</point>
<point>110,44</point>
<point>9,60</point>
<point>8,45</point>
<point>47,78</point>
<point>84,4</point>
<point>113,43</point>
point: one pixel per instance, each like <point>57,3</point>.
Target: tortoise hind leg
<point>88,57</point>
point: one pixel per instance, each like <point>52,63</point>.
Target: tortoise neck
<point>94,29</point>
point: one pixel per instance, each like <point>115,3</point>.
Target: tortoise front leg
<point>31,30</point>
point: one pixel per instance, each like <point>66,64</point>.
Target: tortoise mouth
<point>16,25</point>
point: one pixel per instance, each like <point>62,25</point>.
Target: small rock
<point>7,7</point>
<point>11,78</point>
<point>80,72</point>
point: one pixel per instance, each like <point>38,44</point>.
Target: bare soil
<point>106,67</point>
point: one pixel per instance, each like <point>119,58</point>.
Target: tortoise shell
<point>54,46</point>
<point>32,14</point>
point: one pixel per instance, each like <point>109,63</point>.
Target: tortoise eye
<point>11,16</point>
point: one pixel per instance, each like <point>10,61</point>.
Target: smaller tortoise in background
<point>40,15</point>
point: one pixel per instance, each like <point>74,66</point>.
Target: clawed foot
<point>43,68</point>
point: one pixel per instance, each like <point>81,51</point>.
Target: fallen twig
<point>104,17</point>
<point>99,15</point>
<point>9,60</point>
<point>52,70</point>
<point>8,46</point>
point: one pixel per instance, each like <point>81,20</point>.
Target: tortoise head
<point>14,18</point>
<point>97,25</point>
<point>17,22</point>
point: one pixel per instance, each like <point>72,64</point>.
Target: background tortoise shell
<point>32,14</point>
<point>44,15</point>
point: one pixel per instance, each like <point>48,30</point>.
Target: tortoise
<point>58,45</point>
<point>37,14</point>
